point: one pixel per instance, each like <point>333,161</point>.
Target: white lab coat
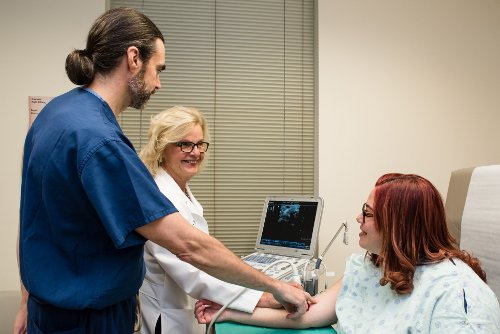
<point>171,286</point>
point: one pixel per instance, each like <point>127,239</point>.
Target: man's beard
<point>139,95</point>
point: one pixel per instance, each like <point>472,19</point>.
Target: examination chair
<point>473,214</point>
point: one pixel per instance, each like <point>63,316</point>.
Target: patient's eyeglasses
<point>188,147</point>
<point>365,212</point>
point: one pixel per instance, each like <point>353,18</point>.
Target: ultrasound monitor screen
<point>289,224</point>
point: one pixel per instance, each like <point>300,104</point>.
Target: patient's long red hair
<point>409,212</point>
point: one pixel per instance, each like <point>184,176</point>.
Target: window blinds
<point>249,67</point>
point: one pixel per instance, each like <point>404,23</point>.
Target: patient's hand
<point>205,310</point>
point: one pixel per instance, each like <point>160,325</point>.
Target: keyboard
<point>282,271</point>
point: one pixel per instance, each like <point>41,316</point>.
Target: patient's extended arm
<point>320,314</point>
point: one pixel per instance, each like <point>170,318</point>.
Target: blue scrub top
<point>84,192</point>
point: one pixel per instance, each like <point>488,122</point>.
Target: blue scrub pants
<point>46,319</point>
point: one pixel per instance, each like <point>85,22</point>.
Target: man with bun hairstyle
<point>88,203</point>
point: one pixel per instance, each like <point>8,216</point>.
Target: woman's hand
<point>205,310</point>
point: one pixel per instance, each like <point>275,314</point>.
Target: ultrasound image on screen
<point>289,224</point>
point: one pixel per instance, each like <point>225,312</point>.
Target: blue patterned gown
<point>448,297</point>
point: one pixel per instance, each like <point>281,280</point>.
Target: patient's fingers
<point>201,316</point>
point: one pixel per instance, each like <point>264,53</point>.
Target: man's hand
<point>295,301</point>
<point>20,321</point>
<point>268,300</point>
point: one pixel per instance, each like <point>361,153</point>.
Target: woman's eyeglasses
<point>188,147</point>
<point>365,212</point>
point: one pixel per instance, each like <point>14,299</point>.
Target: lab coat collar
<point>167,185</point>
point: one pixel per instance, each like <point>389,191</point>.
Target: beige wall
<point>36,36</point>
<point>408,86</point>
<point>403,86</point>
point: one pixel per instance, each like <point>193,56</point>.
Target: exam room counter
<point>232,328</point>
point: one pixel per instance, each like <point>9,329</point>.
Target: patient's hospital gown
<point>448,297</point>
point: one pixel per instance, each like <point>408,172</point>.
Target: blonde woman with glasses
<point>176,151</point>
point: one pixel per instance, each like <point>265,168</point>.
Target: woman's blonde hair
<point>169,126</point>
